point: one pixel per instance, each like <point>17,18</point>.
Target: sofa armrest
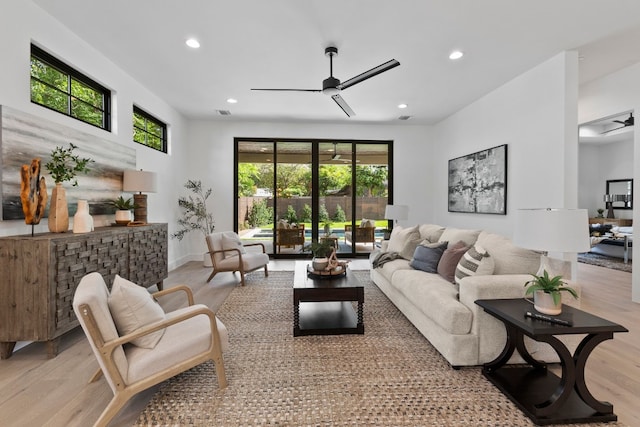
<point>384,245</point>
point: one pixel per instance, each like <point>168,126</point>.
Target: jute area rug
<point>605,261</point>
<point>390,376</point>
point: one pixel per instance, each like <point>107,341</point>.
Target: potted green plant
<point>546,293</point>
<point>195,215</point>
<point>321,251</point>
<point>600,213</point>
<point>64,166</point>
<point>123,209</point>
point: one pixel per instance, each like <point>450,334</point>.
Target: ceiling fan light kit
<point>332,86</point>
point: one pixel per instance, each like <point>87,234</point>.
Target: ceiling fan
<point>625,123</point>
<point>332,86</point>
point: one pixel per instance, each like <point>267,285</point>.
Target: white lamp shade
<point>552,230</point>
<point>397,212</point>
<point>139,180</point>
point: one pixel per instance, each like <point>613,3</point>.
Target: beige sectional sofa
<point>445,312</point>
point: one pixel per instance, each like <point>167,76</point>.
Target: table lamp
<point>396,212</point>
<point>608,200</point>
<point>140,181</point>
<point>553,230</point>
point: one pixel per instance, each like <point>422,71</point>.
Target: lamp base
<point>610,210</point>
<point>140,211</point>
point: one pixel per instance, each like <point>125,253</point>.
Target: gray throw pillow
<point>426,257</point>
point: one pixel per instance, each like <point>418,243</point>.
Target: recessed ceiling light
<point>402,105</point>
<point>456,54</point>
<point>193,43</point>
<point>232,101</point>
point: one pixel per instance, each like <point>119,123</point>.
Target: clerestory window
<point>149,131</point>
<point>59,87</point>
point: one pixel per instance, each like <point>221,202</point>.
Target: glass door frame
<point>315,185</point>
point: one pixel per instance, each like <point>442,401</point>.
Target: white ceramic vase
<point>320,264</point>
<point>543,302</point>
<point>82,220</point>
<point>123,216</point>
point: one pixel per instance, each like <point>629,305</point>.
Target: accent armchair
<point>290,237</point>
<point>229,254</point>
<point>188,337</point>
<point>361,235</point>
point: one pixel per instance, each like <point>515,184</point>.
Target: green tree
<point>323,215</point>
<point>260,214</point>
<point>247,178</point>
<point>371,180</point>
<point>291,215</point>
<point>305,216</point>
<point>339,215</point>
<point>334,177</point>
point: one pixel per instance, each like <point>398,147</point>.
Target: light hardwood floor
<point>36,391</point>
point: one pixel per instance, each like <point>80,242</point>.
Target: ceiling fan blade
<point>620,121</point>
<point>368,74</point>
<point>343,104</point>
<point>611,130</point>
<point>292,90</point>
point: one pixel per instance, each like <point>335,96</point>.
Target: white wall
<point>607,96</point>
<point>536,115</point>
<point>598,163</point>
<point>211,160</point>
<point>22,22</point>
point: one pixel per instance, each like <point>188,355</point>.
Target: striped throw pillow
<point>476,261</point>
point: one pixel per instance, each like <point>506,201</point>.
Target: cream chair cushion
<point>133,307</point>
<point>194,335</point>
<point>231,240</point>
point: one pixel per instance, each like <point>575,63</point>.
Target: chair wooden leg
<point>95,377</point>
<point>112,409</point>
<point>266,271</point>
<point>213,273</point>
<point>242,277</point>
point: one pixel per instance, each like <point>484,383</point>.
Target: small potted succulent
<point>123,212</point>
<point>546,293</point>
<point>600,213</point>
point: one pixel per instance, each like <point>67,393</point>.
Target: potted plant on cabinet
<point>195,215</point>
<point>123,209</point>
<point>63,166</point>
<point>546,293</point>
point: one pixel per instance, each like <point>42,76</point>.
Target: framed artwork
<point>24,137</point>
<point>478,182</point>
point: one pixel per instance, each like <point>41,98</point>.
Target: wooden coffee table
<point>539,393</point>
<point>323,306</point>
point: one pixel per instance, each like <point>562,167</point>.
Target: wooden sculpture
<point>33,192</point>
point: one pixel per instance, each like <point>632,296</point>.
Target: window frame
<point>149,117</point>
<point>71,74</point>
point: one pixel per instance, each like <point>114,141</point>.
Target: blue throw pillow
<point>427,256</point>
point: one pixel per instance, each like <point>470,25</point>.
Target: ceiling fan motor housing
<point>330,85</point>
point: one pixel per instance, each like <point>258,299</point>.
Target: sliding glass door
<point>290,192</point>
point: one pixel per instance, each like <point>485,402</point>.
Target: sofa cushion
<point>430,232</point>
<point>436,298</point>
<point>133,307</point>
<point>454,235</point>
<point>476,261</point>
<point>508,258</point>
<point>449,261</point>
<point>232,241</point>
<point>400,236</point>
<point>389,268</point>
<point>427,256</point>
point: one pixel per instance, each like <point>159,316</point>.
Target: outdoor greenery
<point>291,216</point>
<point>305,215</point>
<point>339,216</point>
<point>260,214</point>
<point>295,179</point>
<point>195,215</point>
<point>65,165</point>
<point>64,92</point>
<point>148,130</point>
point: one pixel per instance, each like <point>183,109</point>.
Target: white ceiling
<point>280,43</point>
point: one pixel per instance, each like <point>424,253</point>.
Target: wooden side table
<point>540,394</point>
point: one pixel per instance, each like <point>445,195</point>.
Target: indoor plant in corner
<point>63,166</point>
<point>546,293</point>
<point>194,214</point>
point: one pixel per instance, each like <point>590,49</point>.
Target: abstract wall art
<point>478,182</point>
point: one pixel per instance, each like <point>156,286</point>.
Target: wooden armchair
<point>192,335</point>
<point>228,253</point>
<point>290,237</point>
<point>361,235</point>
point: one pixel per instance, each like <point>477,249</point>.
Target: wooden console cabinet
<point>620,222</point>
<point>39,275</point>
